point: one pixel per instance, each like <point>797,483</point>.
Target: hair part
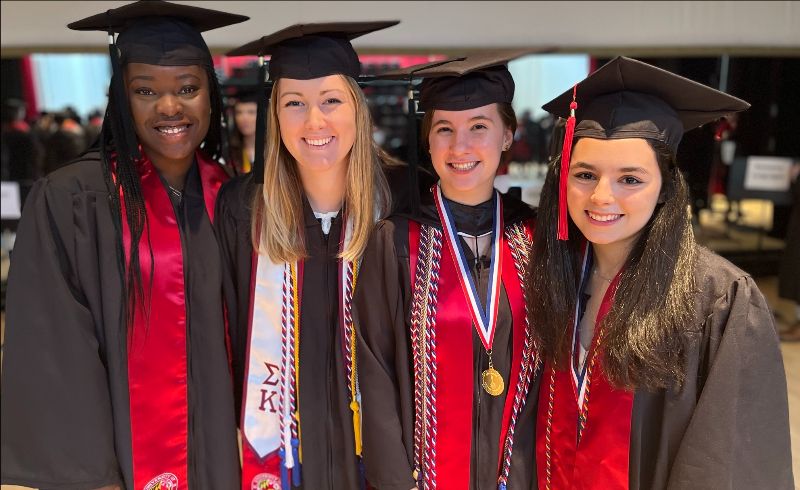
<point>278,229</point>
<point>653,304</point>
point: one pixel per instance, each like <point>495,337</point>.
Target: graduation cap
<point>153,32</point>
<point>627,98</point>
<point>242,89</point>
<point>304,52</point>
<point>468,83</point>
<point>456,84</point>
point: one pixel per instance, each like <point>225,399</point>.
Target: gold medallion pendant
<point>492,382</point>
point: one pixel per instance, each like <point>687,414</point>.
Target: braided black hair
<point>120,174</point>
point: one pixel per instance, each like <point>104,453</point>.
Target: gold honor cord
<point>354,404</point>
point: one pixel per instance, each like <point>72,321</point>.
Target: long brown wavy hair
<point>644,329</point>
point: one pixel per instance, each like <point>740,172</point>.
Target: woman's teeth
<point>172,129</point>
<point>319,142</point>
<point>603,217</point>
<point>463,166</point>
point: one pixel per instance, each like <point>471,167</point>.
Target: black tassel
<point>261,123</point>
<point>413,152</point>
<point>128,143</point>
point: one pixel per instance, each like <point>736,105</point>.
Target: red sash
<point>157,356</point>
<point>602,457</point>
<point>455,372</point>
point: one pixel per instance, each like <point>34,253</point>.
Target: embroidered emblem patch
<point>164,481</point>
<point>265,481</point>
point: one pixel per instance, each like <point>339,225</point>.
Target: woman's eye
<point>293,103</point>
<point>443,130</point>
<point>479,126</point>
<point>630,180</point>
<point>584,176</point>
<point>189,89</point>
<point>143,91</point>
<point>333,100</point>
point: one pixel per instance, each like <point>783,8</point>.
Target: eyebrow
<point>589,166</point>
<point>476,118</point>
<point>150,78</point>
<point>321,93</point>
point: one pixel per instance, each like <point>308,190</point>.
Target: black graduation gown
<point>382,308</point>
<point>326,422</point>
<point>65,403</point>
<point>729,426</point>
<point>789,276</point>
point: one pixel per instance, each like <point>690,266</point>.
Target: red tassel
<point>566,151</point>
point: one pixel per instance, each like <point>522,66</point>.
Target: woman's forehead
<point>312,87</point>
<point>617,152</point>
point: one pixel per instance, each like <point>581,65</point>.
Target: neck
<point>324,189</point>
<point>173,171</point>
<point>609,258</point>
<point>471,197</point>
<point>249,142</point>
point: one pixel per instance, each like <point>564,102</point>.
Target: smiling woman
<point>613,189</point>
<point>447,368</point>
<point>113,302</point>
<point>171,109</point>
<point>293,244</point>
<point>661,358</point>
<point>317,120</point>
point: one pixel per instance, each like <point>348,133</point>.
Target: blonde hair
<point>277,224</point>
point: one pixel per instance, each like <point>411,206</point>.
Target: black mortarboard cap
<point>251,94</point>
<point>153,32</point>
<point>307,51</point>
<point>304,52</point>
<point>627,98</point>
<point>159,33</point>
<point>468,83</point>
<point>246,89</point>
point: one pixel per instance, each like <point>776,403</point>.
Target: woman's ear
<point>508,138</point>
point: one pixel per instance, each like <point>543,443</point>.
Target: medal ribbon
<point>579,373</point>
<point>440,450</point>
<point>157,351</point>
<point>578,455</point>
<point>485,319</point>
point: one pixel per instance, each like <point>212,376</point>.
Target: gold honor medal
<point>492,382</point>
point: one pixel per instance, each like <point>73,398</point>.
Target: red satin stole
<point>455,373</point>
<point>602,457</point>
<point>157,350</point>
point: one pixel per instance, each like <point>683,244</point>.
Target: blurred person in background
<point>92,128</point>
<point>21,151</point>
<point>67,141</point>
<point>242,140</point>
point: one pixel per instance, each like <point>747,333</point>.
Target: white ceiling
<point>657,27</point>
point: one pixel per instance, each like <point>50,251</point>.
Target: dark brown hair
<point>653,304</point>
